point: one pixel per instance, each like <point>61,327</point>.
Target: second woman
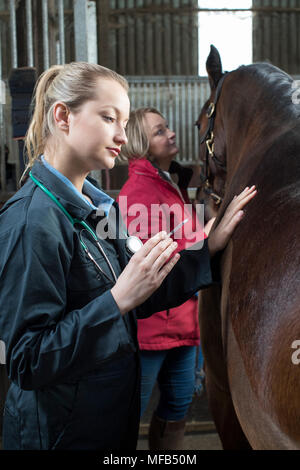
<point>168,340</point>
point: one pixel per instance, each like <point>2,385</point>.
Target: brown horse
<point>251,323</point>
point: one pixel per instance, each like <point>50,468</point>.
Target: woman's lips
<point>114,151</point>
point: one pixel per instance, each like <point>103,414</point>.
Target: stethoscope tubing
<point>74,222</point>
<point>114,280</point>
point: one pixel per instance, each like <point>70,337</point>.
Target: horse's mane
<point>277,87</point>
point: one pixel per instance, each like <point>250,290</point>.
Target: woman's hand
<point>220,236</point>
<point>145,272</point>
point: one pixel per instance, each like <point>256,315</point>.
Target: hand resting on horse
<point>220,236</point>
<point>150,265</point>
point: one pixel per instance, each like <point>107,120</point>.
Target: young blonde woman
<point>168,339</point>
<point>69,294</point>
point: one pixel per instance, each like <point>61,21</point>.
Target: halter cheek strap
<point>208,139</point>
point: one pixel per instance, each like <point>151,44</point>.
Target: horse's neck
<point>253,135</point>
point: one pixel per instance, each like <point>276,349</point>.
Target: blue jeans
<point>200,374</point>
<point>174,370</point>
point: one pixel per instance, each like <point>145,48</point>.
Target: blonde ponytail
<point>72,84</point>
<point>37,131</point>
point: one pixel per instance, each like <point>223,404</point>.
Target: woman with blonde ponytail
<point>71,287</point>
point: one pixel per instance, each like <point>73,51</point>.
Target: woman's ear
<point>61,116</point>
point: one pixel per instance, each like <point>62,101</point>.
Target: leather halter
<point>208,139</point>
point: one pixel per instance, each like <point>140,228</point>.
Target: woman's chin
<point>106,164</point>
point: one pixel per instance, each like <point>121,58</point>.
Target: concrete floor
<point>192,441</point>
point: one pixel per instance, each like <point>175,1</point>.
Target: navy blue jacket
<point>71,356</point>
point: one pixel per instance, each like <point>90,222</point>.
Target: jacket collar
<point>144,167</point>
<point>72,202</point>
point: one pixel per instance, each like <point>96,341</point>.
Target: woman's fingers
<point>239,202</point>
<point>232,224</point>
<point>168,267</point>
<point>166,251</point>
<point>144,273</point>
<point>150,244</point>
<point>157,250</point>
<point>244,196</point>
<point>234,213</point>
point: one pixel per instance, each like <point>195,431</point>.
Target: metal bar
<point>104,30</point>
<point>13,34</point>
<point>131,41</point>
<point>158,43</point>
<point>45,34</point>
<point>167,34</point>
<point>29,33</point>
<point>180,10</point>
<point>176,40</point>
<point>166,78</point>
<point>61,26</point>
<point>294,39</point>
<point>140,41</point>
<point>112,40</point>
<point>122,41</point>
<point>149,41</point>
<point>6,13</point>
<point>91,30</point>
<point>80,28</point>
<point>170,113</point>
<point>58,52</point>
<point>189,126</point>
<point>196,113</point>
<point>183,126</point>
<point>185,43</point>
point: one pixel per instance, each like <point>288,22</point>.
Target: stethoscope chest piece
<point>133,244</point>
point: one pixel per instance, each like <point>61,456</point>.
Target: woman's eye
<point>109,118</point>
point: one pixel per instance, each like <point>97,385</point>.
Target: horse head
<point>213,147</point>
<point>248,110</point>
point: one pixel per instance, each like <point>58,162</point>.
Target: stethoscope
<point>133,244</point>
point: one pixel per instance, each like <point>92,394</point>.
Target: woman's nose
<point>171,134</point>
<point>120,136</point>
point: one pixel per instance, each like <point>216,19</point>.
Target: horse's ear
<point>214,67</point>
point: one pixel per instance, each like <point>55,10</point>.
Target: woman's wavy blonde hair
<point>136,131</point>
<point>72,84</point>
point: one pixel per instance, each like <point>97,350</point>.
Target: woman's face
<point>162,143</point>
<point>97,130</point>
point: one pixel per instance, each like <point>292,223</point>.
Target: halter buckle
<point>217,199</point>
<point>210,144</point>
<point>210,110</point>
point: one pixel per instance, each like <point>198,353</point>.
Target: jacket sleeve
<point>194,271</point>
<point>44,342</point>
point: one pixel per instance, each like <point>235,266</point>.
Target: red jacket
<point>150,203</point>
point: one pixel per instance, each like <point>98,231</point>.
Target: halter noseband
<point>208,138</point>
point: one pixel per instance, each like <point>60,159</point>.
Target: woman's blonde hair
<point>72,84</point>
<point>136,132</point>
